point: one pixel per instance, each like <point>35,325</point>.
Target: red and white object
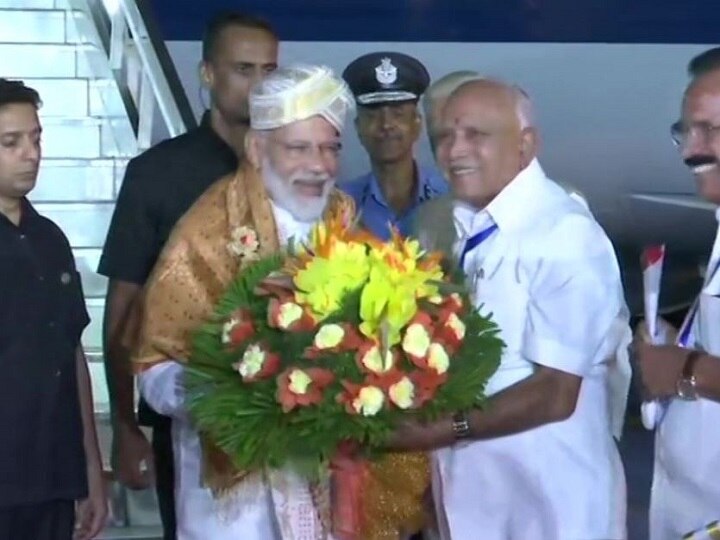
<point>652,265</point>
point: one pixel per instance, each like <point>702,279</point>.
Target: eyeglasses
<point>680,132</point>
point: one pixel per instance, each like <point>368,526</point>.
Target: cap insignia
<point>386,73</point>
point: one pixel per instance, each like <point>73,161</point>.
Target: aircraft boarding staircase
<point>109,91</point>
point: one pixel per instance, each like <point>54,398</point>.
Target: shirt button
<point>41,278</point>
<point>51,324</point>
<point>58,373</point>
<point>22,237</point>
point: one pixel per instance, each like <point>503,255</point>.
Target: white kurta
<point>253,515</point>
<point>550,278</point>
<point>686,491</point>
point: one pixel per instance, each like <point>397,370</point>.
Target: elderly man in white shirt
<point>539,461</point>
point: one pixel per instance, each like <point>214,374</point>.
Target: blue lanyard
<point>474,241</point>
<point>683,339</point>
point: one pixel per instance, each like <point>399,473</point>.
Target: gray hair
<point>523,107</point>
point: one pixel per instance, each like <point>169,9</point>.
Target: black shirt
<point>42,316</point>
<point>160,185</point>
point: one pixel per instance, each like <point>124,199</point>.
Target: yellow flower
<point>329,336</point>
<point>299,381</point>
<point>402,393</point>
<point>438,358</point>
<point>398,278</point>
<point>324,281</point>
<point>369,401</point>
<point>416,341</point>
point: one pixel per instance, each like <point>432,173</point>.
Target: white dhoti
<point>274,506</point>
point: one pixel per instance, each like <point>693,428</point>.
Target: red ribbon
<point>349,474</point>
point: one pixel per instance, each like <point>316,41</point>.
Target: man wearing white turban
<point>287,182</point>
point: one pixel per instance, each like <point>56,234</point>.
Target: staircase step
<point>85,224</point>
<point>71,137</point>
<point>32,25</point>
<point>33,60</point>
<point>69,180</point>
<point>27,4</point>
<point>101,406</point>
<point>86,260</point>
<point>92,337</point>
<point>62,97</point>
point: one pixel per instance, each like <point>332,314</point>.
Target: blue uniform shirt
<point>375,213</point>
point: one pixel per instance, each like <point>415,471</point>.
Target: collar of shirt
<point>27,215</point>
<point>288,226</point>
<point>515,206</point>
<point>511,209</point>
<point>468,220</point>
<point>206,128</point>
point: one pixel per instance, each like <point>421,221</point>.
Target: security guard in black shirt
<point>49,456</point>
<point>159,186</point>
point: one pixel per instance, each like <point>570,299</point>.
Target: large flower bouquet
<point>336,340</point>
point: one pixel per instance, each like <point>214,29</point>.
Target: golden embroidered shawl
<point>192,273</point>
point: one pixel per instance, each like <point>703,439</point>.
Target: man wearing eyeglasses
<point>685,373</point>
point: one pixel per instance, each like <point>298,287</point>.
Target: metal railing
<point>140,64</point>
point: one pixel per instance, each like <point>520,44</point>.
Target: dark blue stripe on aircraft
<point>611,21</point>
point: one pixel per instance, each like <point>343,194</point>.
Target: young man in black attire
<point>159,186</point>
<point>50,467</point>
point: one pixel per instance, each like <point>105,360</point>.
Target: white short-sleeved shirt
<point>550,278</point>
<point>685,494</point>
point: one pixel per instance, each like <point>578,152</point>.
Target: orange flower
<point>399,387</point>
<point>257,363</point>
<point>437,359</point>
<point>426,385</point>
<point>237,328</point>
<point>365,399</point>
<point>302,387</point>
<point>453,303</point>
<point>334,338</point>
<point>289,316</point>
<point>451,331</point>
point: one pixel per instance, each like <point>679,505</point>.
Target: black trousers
<point>53,520</point>
<point>164,477</point>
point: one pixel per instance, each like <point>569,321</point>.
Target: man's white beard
<point>302,208</point>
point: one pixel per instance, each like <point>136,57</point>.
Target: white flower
<point>244,243</point>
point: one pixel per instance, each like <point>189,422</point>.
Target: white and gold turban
<point>297,92</point>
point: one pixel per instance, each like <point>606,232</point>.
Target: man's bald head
<point>486,138</point>
<point>698,132</point>
<point>494,89</point>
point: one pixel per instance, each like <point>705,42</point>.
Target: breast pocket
<point>501,296</point>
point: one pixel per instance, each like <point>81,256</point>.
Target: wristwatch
<point>461,426</point>
<point>686,387</point>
